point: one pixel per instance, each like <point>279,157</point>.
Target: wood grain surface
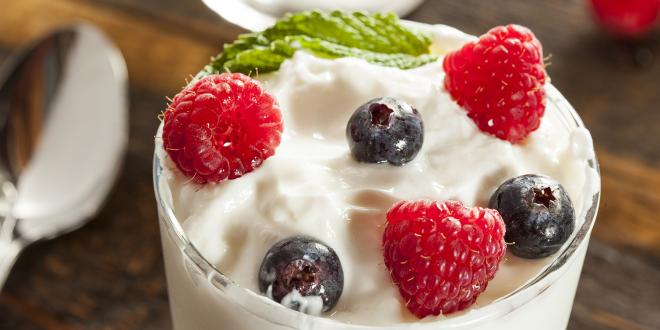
<point>109,274</point>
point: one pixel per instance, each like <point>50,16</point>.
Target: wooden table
<point>109,275</point>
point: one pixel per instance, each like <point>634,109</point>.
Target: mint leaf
<point>325,49</point>
<point>376,38</point>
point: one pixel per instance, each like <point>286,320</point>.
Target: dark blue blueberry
<point>538,215</point>
<point>303,274</point>
<point>385,130</point>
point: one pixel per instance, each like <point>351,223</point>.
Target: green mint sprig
<point>376,38</point>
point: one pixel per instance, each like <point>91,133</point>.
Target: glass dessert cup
<point>202,297</point>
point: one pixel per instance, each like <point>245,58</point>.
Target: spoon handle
<point>9,252</point>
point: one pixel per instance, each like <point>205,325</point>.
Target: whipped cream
<point>313,186</point>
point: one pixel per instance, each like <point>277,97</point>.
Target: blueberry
<point>538,215</point>
<point>303,274</point>
<point>385,130</point>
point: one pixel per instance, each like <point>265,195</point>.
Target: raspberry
<point>441,255</point>
<point>629,18</point>
<point>499,81</point>
<point>221,127</point>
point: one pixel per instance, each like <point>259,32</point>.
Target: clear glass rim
<point>475,317</point>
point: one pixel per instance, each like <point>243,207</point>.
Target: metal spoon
<point>63,132</point>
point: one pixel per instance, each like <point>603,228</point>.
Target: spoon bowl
<point>257,15</point>
<point>63,129</point>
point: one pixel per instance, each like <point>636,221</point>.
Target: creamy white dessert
<point>313,186</point>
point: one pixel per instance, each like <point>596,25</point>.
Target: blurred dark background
<point>109,275</point>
